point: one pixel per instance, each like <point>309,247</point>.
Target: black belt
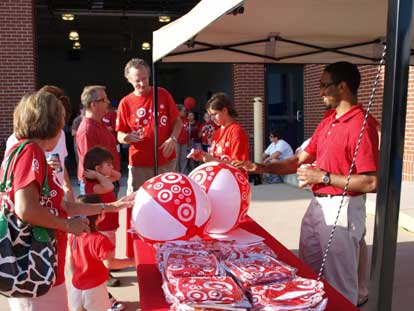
<point>324,195</point>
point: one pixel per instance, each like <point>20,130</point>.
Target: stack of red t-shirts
<point>297,294</point>
<point>216,292</point>
<point>180,264</point>
<point>259,270</point>
<point>236,251</point>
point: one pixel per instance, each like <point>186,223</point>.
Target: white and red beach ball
<point>170,206</point>
<point>229,192</point>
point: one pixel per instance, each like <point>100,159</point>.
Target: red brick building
<point>18,75</point>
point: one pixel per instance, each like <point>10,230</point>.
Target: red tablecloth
<point>149,278</point>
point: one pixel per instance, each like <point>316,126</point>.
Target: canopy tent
<point>272,31</point>
<point>315,31</point>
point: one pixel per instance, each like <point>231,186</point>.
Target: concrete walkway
<point>279,209</point>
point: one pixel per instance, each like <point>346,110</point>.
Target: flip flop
<point>362,300</point>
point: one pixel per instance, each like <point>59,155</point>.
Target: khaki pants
<point>341,267</point>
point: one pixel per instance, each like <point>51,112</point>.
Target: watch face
<point>326,180</point>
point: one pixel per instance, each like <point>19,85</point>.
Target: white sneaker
<point>117,306</point>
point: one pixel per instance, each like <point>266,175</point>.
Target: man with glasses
<point>332,146</point>
<point>92,132</point>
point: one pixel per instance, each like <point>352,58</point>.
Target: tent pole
<point>391,155</point>
<point>155,96</point>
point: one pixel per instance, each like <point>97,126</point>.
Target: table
<point>149,278</point>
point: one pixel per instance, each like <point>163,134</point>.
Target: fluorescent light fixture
<point>146,46</point>
<point>164,19</point>
<point>73,35</point>
<point>76,45</point>
<point>68,16</point>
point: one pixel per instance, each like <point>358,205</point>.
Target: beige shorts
<point>137,175</point>
<point>93,299</point>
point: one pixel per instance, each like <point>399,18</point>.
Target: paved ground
<point>279,209</point>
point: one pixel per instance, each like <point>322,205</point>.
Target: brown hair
<point>60,94</point>
<point>96,156</point>
<point>39,115</point>
<point>90,93</point>
<point>136,63</point>
<point>91,199</point>
<point>219,101</point>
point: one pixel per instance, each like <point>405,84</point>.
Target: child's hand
<point>90,174</point>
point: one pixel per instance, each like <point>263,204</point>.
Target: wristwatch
<point>326,179</point>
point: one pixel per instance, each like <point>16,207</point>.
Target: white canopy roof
<point>274,26</point>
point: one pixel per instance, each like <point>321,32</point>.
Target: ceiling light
<point>164,18</point>
<point>76,45</point>
<point>146,46</point>
<point>68,16</point>
<point>73,35</point>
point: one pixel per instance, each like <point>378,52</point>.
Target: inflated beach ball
<point>170,206</point>
<point>229,192</point>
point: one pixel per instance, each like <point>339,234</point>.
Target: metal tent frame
<point>392,138</point>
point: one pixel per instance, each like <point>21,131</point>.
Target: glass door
<point>284,102</point>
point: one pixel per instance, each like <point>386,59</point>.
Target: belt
<point>324,195</point>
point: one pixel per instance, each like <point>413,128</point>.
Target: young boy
<point>91,255</point>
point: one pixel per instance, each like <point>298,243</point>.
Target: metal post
<point>155,96</point>
<point>392,147</point>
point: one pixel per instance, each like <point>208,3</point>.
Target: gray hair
<point>136,63</point>
<point>90,93</point>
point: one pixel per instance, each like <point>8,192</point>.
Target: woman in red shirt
<point>230,141</point>
<point>40,118</point>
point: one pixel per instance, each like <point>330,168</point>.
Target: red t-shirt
<point>137,111</point>
<point>183,138</point>
<point>230,143</point>
<point>333,144</point>
<point>88,253</point>
<point>31,167</point>
<point>109,221</point>
<point>194,129</point>
<point>92,133</point>
<point>109,119</point>
<point>206,132</point>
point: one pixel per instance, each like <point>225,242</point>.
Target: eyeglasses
<point>101,100</point>
<point>325,85</point>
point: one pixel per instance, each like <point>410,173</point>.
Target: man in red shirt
<point>332,146</point>
<point>135,126</point>
<point>92,132</point>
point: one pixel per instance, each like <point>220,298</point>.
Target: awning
<point>276,31</point>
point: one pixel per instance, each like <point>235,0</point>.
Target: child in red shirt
<point>92,254</point>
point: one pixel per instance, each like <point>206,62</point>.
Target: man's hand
<point>309,176</point>
<point>168,147</point>
<point>132,137</point>
<point>249,167</point>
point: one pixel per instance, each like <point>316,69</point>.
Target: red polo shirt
<point>183,138</point>
<point>137,111</point>
<point>92,133</point>
<point>230,143</point>
<point>333,144</point>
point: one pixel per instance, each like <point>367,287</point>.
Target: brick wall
<point>248,82</point>
<point>408,164</point>
<point>17,59</point>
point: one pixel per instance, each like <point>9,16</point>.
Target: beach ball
<point>229,192</point>
<point>170,206</point>
<point>189,103</point>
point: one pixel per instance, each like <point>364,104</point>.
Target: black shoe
<point>112,282</point>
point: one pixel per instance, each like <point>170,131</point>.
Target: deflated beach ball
<point>170,206</point>
<point>229,192</point>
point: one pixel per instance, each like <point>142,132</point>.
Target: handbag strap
<point>6,183</point>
